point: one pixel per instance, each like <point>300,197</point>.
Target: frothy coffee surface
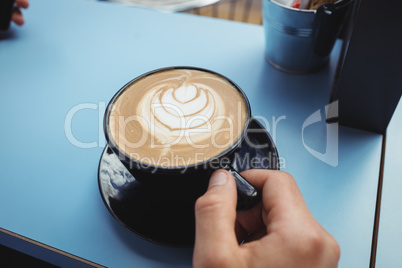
<point>177,117</point>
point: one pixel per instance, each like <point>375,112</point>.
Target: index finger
<point>283,203</point>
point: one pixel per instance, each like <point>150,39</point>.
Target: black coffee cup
<point>190,181</point>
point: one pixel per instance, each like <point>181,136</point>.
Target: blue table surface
<point>76,54</point>
<point>390,232</point>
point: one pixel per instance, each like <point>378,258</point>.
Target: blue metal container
<point>299,40</point>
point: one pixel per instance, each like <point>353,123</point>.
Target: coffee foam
<point>188,110</point>
<point>177,113</point>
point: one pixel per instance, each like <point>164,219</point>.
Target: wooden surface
<point>248,11</point>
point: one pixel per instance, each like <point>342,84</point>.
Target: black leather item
<point>6,10</point>
<point>368,81</point>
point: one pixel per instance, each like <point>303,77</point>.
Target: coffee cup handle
<point>247,195</point>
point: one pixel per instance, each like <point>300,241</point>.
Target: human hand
<point>278,232</point>
<point>17,17</point>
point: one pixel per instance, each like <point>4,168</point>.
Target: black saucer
<point>158,216</point>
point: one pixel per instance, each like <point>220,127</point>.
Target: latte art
<point>188,110</point>
<point>177,117</point>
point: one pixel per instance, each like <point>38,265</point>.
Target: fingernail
<point>218,178</point>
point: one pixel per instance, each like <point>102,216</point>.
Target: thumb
<point>215,215</point>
